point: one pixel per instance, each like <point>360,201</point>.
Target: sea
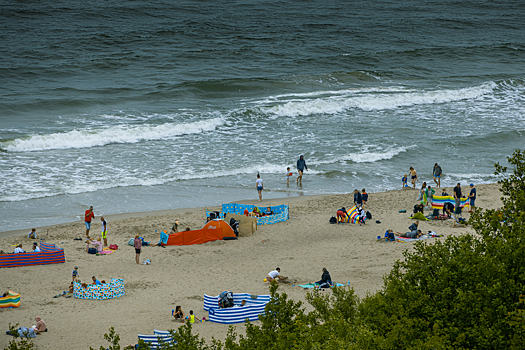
<point>133,106</point>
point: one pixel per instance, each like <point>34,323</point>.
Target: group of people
<point>256,212</point>
<point>88,216</point>
<point>301,167</point>
<point>360,201</point>
<point>324,282</point>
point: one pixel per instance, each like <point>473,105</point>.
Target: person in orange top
<point>89,215</point>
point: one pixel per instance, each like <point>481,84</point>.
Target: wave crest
<point>100,137</point>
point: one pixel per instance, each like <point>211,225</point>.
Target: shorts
<point>104,234</point>
<point>438,176</point>
<point>472,201</point>
<point>88,225</point>
<point>259,188</point>
<point>137,251</point>
<point>413,177</point>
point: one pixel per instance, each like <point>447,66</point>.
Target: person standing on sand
<point>88,216</point>
<point>437,174</point>
<point>413,176</point>
<point>301,165</point>
<point>457,196</point>
<point>259,186</point>
<point>138,246</point>
<point>104,233</point>
<point>472,197</point>
<point>358,199</point>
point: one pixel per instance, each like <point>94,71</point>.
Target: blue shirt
<point>97,281</point>
<point>473,193</point>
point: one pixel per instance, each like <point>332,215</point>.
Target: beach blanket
<point>107,250</point>
<point>419,216</point>
<point>438,201</point>
<point>312,285</point>
<point>426,236</point>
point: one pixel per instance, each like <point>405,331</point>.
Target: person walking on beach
<point>138,246</point>
<point>413,176</point>
<point>88,216</point>
<point>259,186</point>
<point>472,197</point>
<point>104,233</point>
<point>301,166</point>
<point>457,196</point>
<point>437,174</point>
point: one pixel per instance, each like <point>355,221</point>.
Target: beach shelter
<point>49,254</point>
<point>213,230</point>
<point>12,299</point>
<point>247,225</point>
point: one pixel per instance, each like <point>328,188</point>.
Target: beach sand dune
<point>301,247</point>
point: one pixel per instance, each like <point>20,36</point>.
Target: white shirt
<point>259,182</point>
<point>37,249</point>
<point>19,250</point>
<point>104,222</point>
<point>273,274</point>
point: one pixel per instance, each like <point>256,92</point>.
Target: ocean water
<point>149,105</point>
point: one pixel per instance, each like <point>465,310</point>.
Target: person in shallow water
<point>301,166</point>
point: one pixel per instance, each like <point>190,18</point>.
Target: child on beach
<point>192,317</point>
<point>74,274</point>
<point>404,181</point>
<point>288,175</point>
<point>364,197</point>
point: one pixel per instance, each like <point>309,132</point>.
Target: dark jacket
<point>301,164</point>
<point>357,198</point>
<point>325,278</point>
<point>437,171</point>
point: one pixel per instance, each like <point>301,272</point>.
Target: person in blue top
<point>95,281</point>
<point>301,166</point>
<point>472,197</point>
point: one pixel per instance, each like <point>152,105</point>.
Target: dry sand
<point>301,247</point>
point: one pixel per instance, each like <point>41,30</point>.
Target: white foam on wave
<point>373,100</point>
<point>365,156</point>
<point>87,138</point>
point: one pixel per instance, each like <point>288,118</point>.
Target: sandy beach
<point>181,275</point>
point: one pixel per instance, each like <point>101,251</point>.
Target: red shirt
<point>89,215</point>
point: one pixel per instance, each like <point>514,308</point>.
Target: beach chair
<point>157,340</point>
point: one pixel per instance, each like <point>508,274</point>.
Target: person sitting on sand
<point>36,248</point>
<point>192,317</point>
<point>71,288</point>
<point>188,229</point>
<point>243,303</point>
<point>5,294</point>
<point>275,275</point>
<point>419,208</point>
<point>95,281</point>
<point>40,325</point>
<point>444,193</point>
<point>341,214</point>
<point>255,212</point>
<point>98,245</point>
<point>326,280</point>
<point>178,314</point>
<point>32,234</point>
<point>268,212</point>
<point>175,227</point>
<point>19,249</point>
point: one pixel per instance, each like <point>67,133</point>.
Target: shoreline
<point>181,275</point>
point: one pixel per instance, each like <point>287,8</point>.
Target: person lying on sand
<point>411,234</point>
<point>275,276</point>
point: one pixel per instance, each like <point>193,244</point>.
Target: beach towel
<point>163,238</point>
<point>419,216</point>
<point>107,250</point>
<point>312,285</point>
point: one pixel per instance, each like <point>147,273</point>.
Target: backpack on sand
<point>333,220</point>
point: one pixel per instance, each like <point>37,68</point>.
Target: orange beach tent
<point>213,230</point>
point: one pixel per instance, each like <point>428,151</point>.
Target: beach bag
<point>92,251</point>
<point>113,246</point>
<point>368,215</point>
<point>225,299</point>
<point>333,220</point>
<point>131,242</point>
